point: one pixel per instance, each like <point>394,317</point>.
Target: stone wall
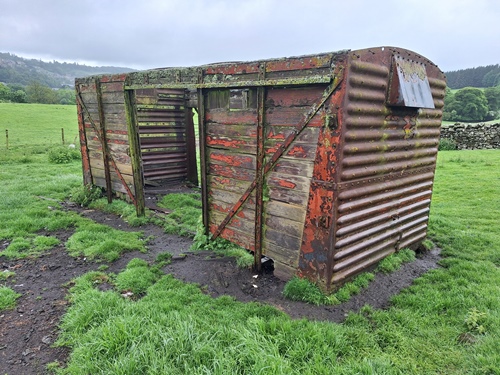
<point>473,136</point>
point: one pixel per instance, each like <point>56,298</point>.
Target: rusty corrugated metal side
<point>388,155</point>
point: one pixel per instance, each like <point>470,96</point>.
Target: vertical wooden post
<point>192,173</point>
<point>7,138</point>
<point>62,135</point>
<point>259,175</point>
<point>203,157</point>
<point>104,142</point>
<point>87,176</point>
<point>135,153</point>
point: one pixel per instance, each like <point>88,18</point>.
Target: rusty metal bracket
<point>106,149</point>
<point>337,79</point>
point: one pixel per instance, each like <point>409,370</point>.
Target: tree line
<point>36,92</point>
<point>481,76</point>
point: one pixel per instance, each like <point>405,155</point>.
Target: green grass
<point>185,213</point>
<point>7,298</point>
<point>37,125</point>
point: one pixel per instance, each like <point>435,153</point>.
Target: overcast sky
<point>144,34</point>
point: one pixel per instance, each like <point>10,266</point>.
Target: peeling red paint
<point>224,142</point>
<point>287,184</point>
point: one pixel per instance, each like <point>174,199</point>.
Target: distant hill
<point>481,76</point>
<point>21,71</point>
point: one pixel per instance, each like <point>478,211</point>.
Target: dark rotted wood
<point>135,153</point>
<point>203,154</point>
<point>192,172</point>
<point>259,175</point>
<point>87,172</point>
<point>102,138</point>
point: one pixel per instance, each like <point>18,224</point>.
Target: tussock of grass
<point>136,278</point>
<point>185,213</point>
<point>102,242</point>
<point>7,298</point>
<point>394,261</point>
<point>20,247</point>
<point>5,274</point>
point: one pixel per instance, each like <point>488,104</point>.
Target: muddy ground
<point>28,331</point>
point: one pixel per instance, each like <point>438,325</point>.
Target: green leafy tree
<point>493,96</point>
<point>18,96</point>
<point>38,93</point>
<point>4,93</point>
<point>468,104</point>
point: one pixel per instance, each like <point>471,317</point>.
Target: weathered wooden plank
<point>279,133</point>
<point>235,68</point>
<point>113,98</point>
<point>223,208</point>
<point>305,151</point>
<point>226,117</point>
<point>280,254</point>
<point>242,223</point>
<point>300,63</point>
<point>288,196</point>
<point>120,158</point>
<point>286,226</point>
<point>242,144</point>
<point>118,148</point>
<point>99,164</point>
<point>291,116</point>
<point>222,196</point>
<point>290,242</point>
<point>243,239</point>
<point>284,210</point>
<point>228,184</point>
<point>114,108</point>
<point>242,174</point>
<point>294,96</point>
<point>232,159</point>
<point>284,272</point>
<point>288,181</point>
<point>112,87</point>
<point>116,186</point>
<point>232,130</point>
<point>294,166</point>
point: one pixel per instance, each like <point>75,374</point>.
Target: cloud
<point>153,33</point>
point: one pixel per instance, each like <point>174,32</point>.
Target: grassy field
<point>447,322</point>
<point>37,125</point>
